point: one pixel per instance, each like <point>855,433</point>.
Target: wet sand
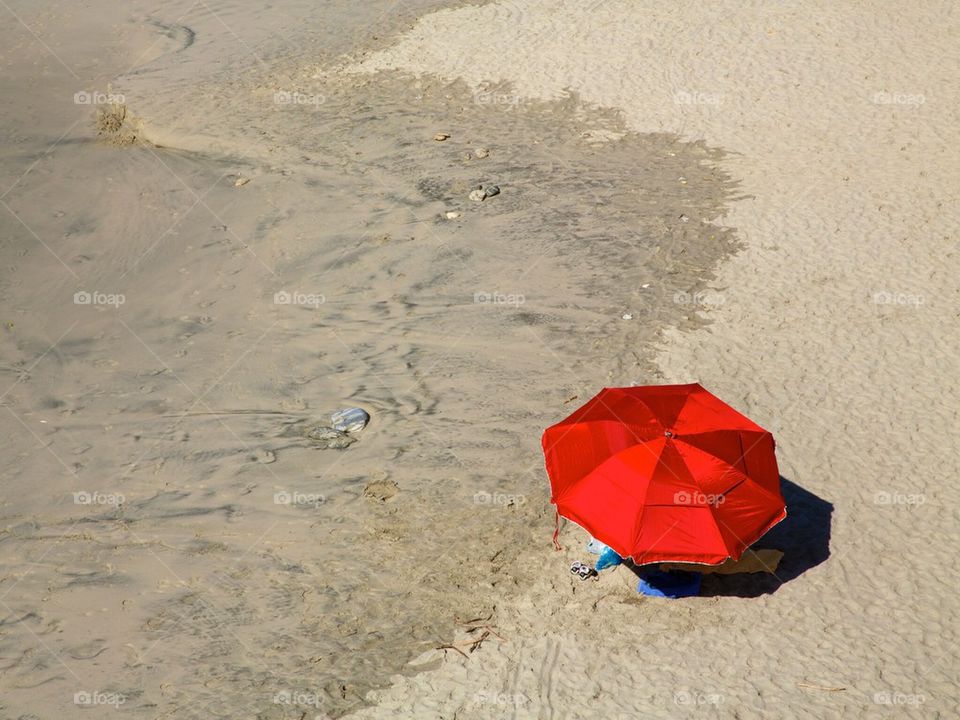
<point>211,264</point>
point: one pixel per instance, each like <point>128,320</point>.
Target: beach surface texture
<point>224,221</point>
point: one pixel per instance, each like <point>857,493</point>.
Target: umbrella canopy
<point>666,473</point>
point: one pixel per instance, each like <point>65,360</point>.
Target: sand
<point>261,225</point>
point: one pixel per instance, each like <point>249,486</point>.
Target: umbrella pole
<point>556,530</point>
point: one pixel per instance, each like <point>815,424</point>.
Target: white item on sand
<point>595,546</point>
<point>350,420</point>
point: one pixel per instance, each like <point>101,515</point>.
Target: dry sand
<point>768,191</point>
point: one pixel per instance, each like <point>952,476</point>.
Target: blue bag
<point>608,558</point>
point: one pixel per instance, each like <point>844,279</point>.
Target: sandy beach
<point>223,222</point>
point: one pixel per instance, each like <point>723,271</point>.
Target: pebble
<point>627,316</point>
<point>440,137</point>
<point>240,181</point>
<point>481,153</point>
<point>452,215</point>
<point>482,193</point>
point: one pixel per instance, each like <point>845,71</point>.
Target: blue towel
<point>674,584</point>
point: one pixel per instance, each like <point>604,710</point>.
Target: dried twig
<point>479,641</point>
<point>451,647</point>
<point>473,643</point>
<point>820,687</point>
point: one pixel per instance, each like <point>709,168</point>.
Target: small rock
<point>645,286</point>
<point>481,153</point>
<point>627,316</point>
<point>440,137</point>
<point>684,218</point>
<point>452,215</point>
<point>240,181</point>
<point>482,193</point>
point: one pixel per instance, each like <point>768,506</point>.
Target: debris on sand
<point>350,420</point>
<point>328,438</point>
<point>113,125</point>
<point>381,490</point>
<point>265,456</point>
<point>482,193</point>
<point>440,137</point>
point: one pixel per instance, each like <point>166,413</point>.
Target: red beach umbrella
<point>665,473</point>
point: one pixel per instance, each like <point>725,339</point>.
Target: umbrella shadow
<point>803,536</point>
